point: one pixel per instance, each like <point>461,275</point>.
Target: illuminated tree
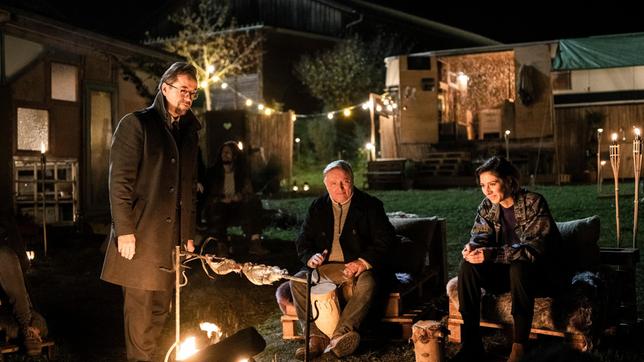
<point>210,39</point>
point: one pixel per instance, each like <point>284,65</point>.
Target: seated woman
<point>511,248</point>
<point>230,200</point>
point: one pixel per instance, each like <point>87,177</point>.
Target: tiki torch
<point>599,142</point>
<point>43,161</point>
<point>637,167</point>
<point>506,135</point>
<point>614,162</point>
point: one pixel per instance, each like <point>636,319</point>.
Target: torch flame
<point>637,131</point>
<point>210,328</point>
<point>614,136</point>
<point>187,348</point>
<point>42,147</point>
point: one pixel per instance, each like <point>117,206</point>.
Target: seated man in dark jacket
<point>13,265</point>
<point>346,237</point>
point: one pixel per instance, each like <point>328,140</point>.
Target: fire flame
<point>187,348</point>
<point>210,328</point>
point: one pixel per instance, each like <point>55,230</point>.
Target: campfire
<point>258,274</point>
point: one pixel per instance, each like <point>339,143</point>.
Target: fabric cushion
<point>414,235</point>
<point>579,239</point>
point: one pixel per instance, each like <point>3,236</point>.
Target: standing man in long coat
<point>152,181</point>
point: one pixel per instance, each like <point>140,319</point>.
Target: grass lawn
<point>458,207</point>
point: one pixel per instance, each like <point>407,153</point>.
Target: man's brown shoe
<point>317,345</point>
<point>344,345</point>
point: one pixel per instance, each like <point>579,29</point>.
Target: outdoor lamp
<point>295,188</point>
<point>306,186</point>
<point>297,140</point>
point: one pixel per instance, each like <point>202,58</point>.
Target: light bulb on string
<point>329,115</point>
<point>346,112</point>
<point>249,102</point>
<point>224,85</point>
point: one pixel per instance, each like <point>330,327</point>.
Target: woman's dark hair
<point>502,169</point>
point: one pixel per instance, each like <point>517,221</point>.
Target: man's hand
<point>190,246</point>
<point>317,259</point>
<point>126,245</point>
<point>353,269</point>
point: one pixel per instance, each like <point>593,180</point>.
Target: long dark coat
<point>146,171</point>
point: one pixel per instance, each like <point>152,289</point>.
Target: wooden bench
<point>406,303</point>
<point>386,173</point>
<point>403,308</point>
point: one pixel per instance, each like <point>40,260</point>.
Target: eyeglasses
<point>185,93</point>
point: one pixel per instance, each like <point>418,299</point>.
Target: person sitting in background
<point>13,266</point>
<point>512,247</point>
<point>230,200</point>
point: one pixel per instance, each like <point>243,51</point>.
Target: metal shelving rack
<point>60,188</point>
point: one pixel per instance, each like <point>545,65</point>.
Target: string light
<point>385,99</point>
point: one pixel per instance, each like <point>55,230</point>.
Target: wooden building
<point>526,100</point>
<point>62,89</point>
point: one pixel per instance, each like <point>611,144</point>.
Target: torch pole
<point>177,299</point>
<point>43,160</point>
<point>637,167</point>
<point>599,175</point>
<point>614,162</point>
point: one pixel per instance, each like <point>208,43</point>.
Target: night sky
<point>520,22</point>
<point>526,21</point>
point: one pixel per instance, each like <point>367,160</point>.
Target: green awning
<point>610,51</point>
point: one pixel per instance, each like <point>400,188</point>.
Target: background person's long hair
<point>504,170</point>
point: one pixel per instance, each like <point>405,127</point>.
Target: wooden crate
<point>386,173</point>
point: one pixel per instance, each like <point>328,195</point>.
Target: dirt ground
<point>85,314</point>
